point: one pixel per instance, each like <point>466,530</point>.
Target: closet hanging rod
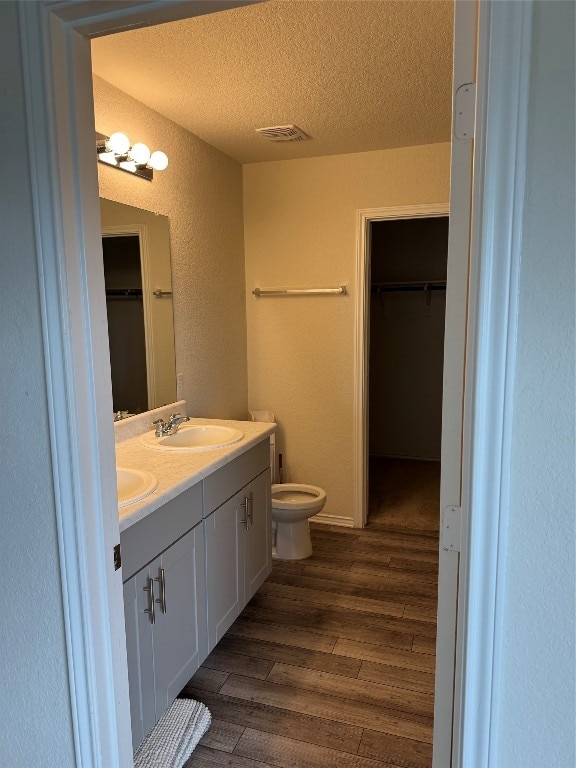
<point>124,293</point>
<point>417,285</point>
<point>261,292</point>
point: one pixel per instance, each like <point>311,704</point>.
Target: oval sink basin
<point>194,437</point>
<point>133,485</point>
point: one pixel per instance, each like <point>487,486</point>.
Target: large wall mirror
<point>138,278</point>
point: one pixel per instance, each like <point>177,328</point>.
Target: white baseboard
<point>346,522</point>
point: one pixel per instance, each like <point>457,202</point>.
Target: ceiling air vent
<point>283,133</point>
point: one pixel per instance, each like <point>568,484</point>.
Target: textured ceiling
<point>355,75</point>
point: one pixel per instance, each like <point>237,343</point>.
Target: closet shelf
<point>414,285</point>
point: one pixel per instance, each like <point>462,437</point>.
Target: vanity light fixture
<point>115,150</point>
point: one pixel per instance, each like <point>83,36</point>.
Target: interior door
<point>445,707</point>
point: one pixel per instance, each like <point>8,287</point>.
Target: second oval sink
<point>194,437</point>
<point>134,485</point>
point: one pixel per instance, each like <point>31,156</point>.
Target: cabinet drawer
<point>144,540</point>
<point>225,482</point>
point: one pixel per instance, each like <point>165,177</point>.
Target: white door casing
<point>500,149</point>
<point>364,218</point>
<point>487,200</point>
<point>464,76</point>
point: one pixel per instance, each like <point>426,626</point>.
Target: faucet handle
<point>160,424</point>
<point>177,418</point>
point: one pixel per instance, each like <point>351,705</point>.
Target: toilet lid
<point>297,496</point>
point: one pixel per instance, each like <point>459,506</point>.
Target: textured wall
<point>537,685</point>
<point>35,720</point>
<point>300,230</point>
<point>201,193</point>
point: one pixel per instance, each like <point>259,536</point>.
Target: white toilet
<point>292,505</point>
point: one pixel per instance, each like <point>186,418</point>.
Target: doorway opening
<point>408,268</point>
<point>504,47</point>
<point>126,323</point>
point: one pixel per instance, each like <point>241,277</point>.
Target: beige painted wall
<point>201,193</point>
<point>300,231</point>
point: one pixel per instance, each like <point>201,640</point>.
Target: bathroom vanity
<point>193,554</point>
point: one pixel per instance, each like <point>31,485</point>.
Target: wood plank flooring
<point>331,665</point>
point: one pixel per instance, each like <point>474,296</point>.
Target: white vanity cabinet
<point>238,537</point>
<point>189,568</point>
<point>164,607</point>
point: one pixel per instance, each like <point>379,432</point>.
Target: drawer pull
<point>250,508</point>
<point>162,581</point>
<point>151,611</point>
<point>247,513</point>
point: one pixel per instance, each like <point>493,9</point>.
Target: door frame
<point>55,56</point>
<point>503,68</point>
<point>364,218</point>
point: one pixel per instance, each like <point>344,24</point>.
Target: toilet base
<point>293,541</point>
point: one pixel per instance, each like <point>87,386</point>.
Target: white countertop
<point>178,470</point>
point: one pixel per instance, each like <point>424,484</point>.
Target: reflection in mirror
<point>138,278</point>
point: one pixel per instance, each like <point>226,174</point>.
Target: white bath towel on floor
<point>174,736</point>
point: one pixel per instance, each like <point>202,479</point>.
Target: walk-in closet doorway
<point>408,268</point>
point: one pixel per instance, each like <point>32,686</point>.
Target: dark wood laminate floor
<point>331,665</point>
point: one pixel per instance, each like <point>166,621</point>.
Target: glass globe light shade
<point>140,154</point>
<point>118,143</point>
<point>158,161</point>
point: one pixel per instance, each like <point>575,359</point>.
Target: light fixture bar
<point>124,161</point>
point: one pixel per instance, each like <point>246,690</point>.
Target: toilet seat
<point>297,496</point>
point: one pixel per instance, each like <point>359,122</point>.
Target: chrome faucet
<point>169,427</point>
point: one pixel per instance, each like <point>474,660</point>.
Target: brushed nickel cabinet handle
<point>162,581</point>
<point>151,611</point>
<point>250,508</point>
<point>246,506</point>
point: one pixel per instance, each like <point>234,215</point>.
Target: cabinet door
<point>180,629</point>
<point>139,650</point>
<point>258,536</point>
<point>224,583</point>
